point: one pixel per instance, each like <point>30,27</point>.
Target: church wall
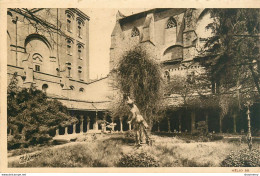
<point>58,56</point>
<point>49,50</point>
<point>182,38</point>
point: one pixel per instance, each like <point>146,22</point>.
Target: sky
<point>102,22</point>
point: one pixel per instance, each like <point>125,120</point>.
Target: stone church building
<point>175,37</point>
<point>49,48</point>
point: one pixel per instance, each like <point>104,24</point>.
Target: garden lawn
<point>106,152</point>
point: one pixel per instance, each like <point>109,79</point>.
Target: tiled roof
<point>86,106</point>
<point>95,97</point>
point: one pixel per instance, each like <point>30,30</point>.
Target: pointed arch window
<point>170,34</point>
<point>171,23</point>
<point>135,32</point>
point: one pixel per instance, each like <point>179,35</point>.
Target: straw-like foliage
<point>138,75</point>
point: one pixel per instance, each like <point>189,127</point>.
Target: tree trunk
<point>249,135</point>
<point>220,123</point>
<point>179,122</point>
<point>234,122</point>
<point>158,127</point>
<point>192,122</point>
<point>169,125</point>
<point>207,122</point>
<point>121,124</point>
<point>255,78</point>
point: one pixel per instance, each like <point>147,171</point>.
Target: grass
<point>169,151</point>
<point>92,154</point>
<point>22,151</point>
<point>197,154</point>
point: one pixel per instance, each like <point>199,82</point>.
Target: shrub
<point>130,134</point>
<point>242,158</point>
<point>129,137</point>
<point>216,137</point>
<point>138,160</point>
<point>32,117</point>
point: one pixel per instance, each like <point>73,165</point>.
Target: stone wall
<point>40,54</point>
<point>170,35</point>
<point>24,40</point>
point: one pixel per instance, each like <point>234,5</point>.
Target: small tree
<point>32,117</point>
<point>235,51</point>
<point>139,76</point>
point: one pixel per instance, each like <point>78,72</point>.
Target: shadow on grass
<point>92,154</point>
<point>121,139</point>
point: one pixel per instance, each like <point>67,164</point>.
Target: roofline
<point>80,13</point>
<point>98,80</point>
<point>94,110</point>
<point>36,10</point>
<point>142,14</point>
<point>77,100</point>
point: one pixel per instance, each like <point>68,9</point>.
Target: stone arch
<point>173,53</point>
<point>39,51</point>
<point>9,13</point>
<point>69,39</point>
<point>37,56</point>
<point>68,12</point>
<point>45,87</point>
<point>80,44</point>
<point>39,37</point>
<point>79,19</point>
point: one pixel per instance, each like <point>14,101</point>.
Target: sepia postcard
<point>130,86</point>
